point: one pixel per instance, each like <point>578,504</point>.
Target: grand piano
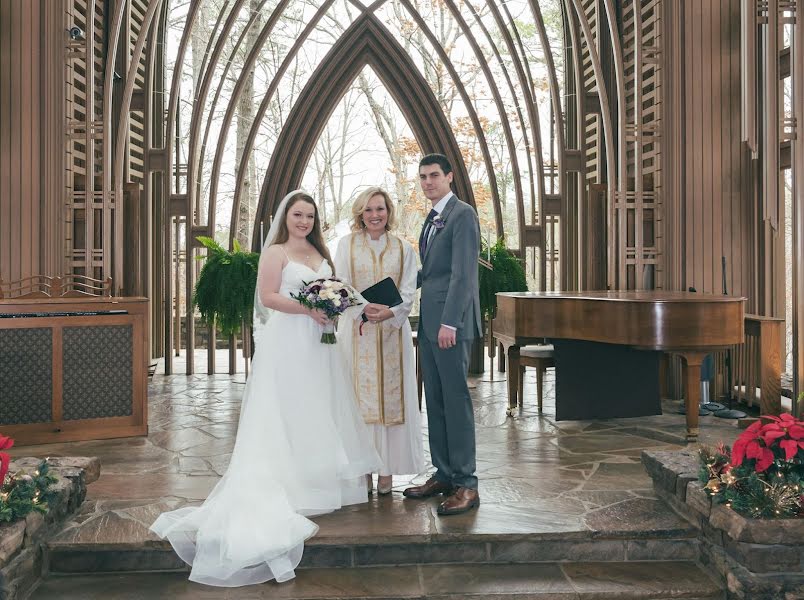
<point>608,345</point>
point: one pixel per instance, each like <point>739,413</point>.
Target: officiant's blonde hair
<point>361,202</point>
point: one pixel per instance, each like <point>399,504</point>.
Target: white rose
<point>336,302</point>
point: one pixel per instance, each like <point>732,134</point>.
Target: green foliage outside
<point>224,293</point>
<point>508,276</point>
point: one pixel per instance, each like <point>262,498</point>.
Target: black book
<point>383,292</point>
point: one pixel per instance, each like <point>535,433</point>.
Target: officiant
<point>379,347</point>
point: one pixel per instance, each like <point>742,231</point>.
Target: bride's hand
<point>319,316</point>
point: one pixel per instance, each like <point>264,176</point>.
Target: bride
<point>301,449</point>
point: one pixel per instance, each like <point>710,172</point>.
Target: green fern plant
<point>508,276</point>
<point>224,293</point>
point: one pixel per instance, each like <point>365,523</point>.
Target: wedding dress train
<point>302,449</point>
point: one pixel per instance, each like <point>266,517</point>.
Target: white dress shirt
<point>439,208</point>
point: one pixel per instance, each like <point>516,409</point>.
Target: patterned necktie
<point>428,225</point>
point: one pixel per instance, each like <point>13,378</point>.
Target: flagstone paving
<point>536,474</point>
<point>559,487</point>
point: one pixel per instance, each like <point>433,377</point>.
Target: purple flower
<point>438,222</point>
<point>328,295</point>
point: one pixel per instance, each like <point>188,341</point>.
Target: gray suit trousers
<point>452,437</point>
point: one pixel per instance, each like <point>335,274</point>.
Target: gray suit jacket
<point>449,279</point>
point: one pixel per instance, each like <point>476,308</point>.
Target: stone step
<point>355,552</point>
<point>638,580</point>
<point>114,536</point>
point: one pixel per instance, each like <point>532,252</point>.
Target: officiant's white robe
<point>400,446</point>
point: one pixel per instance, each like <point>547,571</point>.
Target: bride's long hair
<point>315,237</point>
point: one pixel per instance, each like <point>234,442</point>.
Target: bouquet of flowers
<point>330,295</point>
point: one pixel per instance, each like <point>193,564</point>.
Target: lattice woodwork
<point>641,209</point>
<point>135,157</point>
<point>631,222</point>
<point>44,286</point>
<point>92,223</point>
<point>593,127</point>
<point>84,205</point>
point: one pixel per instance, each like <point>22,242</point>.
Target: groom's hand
<point>446,337</point>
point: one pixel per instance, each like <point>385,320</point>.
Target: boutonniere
<point>438,222</point>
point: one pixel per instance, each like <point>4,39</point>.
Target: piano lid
<point>652,296</point>
<point>651,319</point>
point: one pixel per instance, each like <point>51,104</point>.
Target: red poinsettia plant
<point>5,459</point>
<point>762,475</point>
<point>780,438</point>
<point>21,493</point>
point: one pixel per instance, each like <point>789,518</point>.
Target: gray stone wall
<point>22,557</point>
<point>757,559</point>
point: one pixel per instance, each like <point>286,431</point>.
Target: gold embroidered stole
<point>378,352</point>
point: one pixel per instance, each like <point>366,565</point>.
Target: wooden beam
<point>157,160</point>
<point>591,103</point>
<point>797,162</point>
<point>534,236</point>
<point>199,230</point>
<point>178,206</point>
<point>573,159</point>
<point>552,205</point>
<point>138,101</point>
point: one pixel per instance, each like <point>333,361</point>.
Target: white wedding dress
<point>302,449</point>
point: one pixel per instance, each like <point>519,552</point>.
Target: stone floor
<point>566,467</point>
<point>537,475</point>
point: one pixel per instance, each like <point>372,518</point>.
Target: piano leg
<point>692,390</point>
<point>512,354</point>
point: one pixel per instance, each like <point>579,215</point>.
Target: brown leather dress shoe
<point>463,500</point>
<point>431,487</point>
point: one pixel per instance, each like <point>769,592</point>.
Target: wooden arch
<point>366,42</point>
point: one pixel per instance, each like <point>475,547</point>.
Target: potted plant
<point>22,493</point>
<point>505,275</point>
<point>762,475</point>
<point>224,293</point>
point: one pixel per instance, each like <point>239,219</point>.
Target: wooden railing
<point>67,286</point>
<point>753,369</point>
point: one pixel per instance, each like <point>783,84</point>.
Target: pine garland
<point>224,293</point>
<point>762,476</point>
<point>22,493</point>
<point>508,276</point>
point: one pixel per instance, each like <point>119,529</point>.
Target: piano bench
<point>541,358</point>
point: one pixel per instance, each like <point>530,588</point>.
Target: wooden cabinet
<point>73,369</point>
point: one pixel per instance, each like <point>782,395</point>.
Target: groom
<point>450,319</point>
